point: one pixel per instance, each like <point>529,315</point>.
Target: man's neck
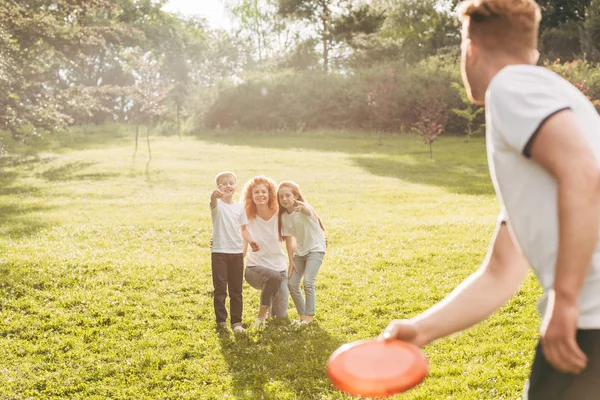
<point>502,61</point>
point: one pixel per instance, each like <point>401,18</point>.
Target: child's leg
<point>266,280</point>
<point>280,302</point>
<point>294,284</point>
<point>235,281</point>
<point>219,275</point>
<point>313,263</point>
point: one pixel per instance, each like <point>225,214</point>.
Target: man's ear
<point>535,56</point>
<point>472,52</point>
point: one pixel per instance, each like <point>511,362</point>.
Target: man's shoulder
<point>523,78</point>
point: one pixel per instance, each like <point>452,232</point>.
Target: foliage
<point>382,98</point>
<point>582,75</point>
<point>469,113</point>
<point>380,101</point>
<point>333,21</point>
<point>421,28</point>
<point>431,118</point>
<point>590,34</point>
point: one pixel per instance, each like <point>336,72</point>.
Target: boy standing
<point>229,226</point>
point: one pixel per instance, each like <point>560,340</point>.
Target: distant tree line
<point>383,65</point>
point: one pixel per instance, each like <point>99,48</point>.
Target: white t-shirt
<point>266,234</point>
<point>306,229</point>
<point>520,98</point>
<point>227,220</point>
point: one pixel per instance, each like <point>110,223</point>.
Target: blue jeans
<point>273,286</point>
<point>306,266</point>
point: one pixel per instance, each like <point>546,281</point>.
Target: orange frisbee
<point>373,368</point>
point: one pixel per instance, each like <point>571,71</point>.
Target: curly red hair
<point>247,196</point>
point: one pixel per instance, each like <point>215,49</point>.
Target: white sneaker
<point>260,323</point>
<point>238,328</point>
<point>222,325</point>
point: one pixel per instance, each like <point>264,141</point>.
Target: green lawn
<point>105,285</point>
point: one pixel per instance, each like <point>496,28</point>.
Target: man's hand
<point>558,334</point>
<point>404,330</point>
<point>254,246</point>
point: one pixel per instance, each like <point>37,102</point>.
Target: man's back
<point>519,100</point>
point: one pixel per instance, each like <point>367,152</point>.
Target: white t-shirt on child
<point>520,98</point>
<point>266,234</point>
<point>306,229</point>
<point>227,220</point>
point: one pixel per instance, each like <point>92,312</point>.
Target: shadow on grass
<point>458,166</point>
<point>72,172</point>
<point>269,364</point>
<point>450,174</point>
<point>17,220</point>
<point>338,142</point>
<point>17,217</point>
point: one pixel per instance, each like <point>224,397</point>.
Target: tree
<point>560,28</point>
<point>316,12</point>
<point>430,118</point>
<point>380,102</point>
<point>557,12</point>
<point>56,55</point>
<point>361,20</point>
<point>590,34</point>
<point>148,98</point>
<point>470,112</point>
<point>421,28</point>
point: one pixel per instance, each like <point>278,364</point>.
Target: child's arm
<point>248,239</point>
<point>302,207</point>
<point>216,194</point>
<point>290,245</point>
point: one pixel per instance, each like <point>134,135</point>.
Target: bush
<point>582,74</point>
<point>383,98</point>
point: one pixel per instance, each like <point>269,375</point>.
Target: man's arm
<point>563,151</point>
<point>476,298</point>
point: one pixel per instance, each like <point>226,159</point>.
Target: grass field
<point>105,285</point>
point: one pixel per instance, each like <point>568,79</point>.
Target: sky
<point>212,10</point>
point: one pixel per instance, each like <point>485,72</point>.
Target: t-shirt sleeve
<point>503,216</point>
<point>285,230</point>
<point>243,217</point>
<point>214,211</point>
<point>520,102</point>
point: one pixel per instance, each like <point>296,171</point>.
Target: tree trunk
<point>149,149</point>
<point>178,123</point>
<point>469,130</point>
<point>258,33</point>
<point>137,136</point>
<point>325,18</point>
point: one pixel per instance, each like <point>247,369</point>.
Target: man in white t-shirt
<point>543,144</point>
